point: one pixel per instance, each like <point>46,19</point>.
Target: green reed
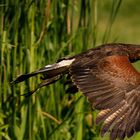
<point>34,34</point>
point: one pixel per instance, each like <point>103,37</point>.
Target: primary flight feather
<point>107,78</point>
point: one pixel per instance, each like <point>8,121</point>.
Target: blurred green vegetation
<point>35,33</point>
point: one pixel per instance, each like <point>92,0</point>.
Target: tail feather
<point>42,84</point>
<point>48,71</point>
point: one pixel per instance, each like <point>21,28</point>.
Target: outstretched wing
<point>111,85</point>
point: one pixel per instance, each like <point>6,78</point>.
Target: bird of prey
<point>105,75</point>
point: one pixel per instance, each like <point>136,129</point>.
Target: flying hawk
<point>107,78</point>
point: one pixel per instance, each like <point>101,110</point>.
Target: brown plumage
<point>107,78</point>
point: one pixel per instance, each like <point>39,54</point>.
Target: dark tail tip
<point>19,79</point>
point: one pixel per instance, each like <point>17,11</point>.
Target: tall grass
<point>35,33</point>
